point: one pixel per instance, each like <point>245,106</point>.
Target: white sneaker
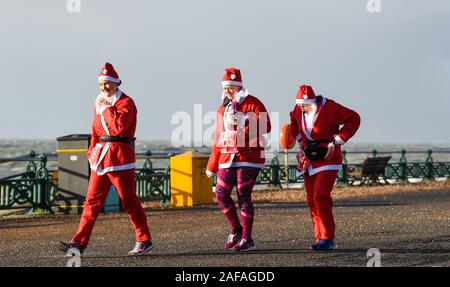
<point>141,248</point>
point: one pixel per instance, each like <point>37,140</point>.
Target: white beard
<point>310,116</point>
<point>241,94</point>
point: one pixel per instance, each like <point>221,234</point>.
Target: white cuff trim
<point>210,173</point>
<point>339,140</point>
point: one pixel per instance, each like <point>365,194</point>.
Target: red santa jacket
<point>329,117</point>
<point>119,119</point>
<point>247,139</point>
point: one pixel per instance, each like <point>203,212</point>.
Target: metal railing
<point>153,183</point>
<point>402,171</point>
<point>36,188</point>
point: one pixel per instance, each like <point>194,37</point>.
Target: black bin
<point>73,171</point>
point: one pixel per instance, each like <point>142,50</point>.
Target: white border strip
<point>247,164</point>
<point>305,102</point>
<point>101,171</point>
<point>231,83</point>
<point>109,79</point>
<point>313,171</point>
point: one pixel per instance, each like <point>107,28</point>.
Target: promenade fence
<point>37,186</point>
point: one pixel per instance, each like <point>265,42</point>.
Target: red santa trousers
<point>98,190</point>
<point>318,195</point>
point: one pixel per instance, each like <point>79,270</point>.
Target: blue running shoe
<point>326,244</point>
<point>315,246</point>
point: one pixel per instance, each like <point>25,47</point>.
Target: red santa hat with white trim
<point>305,95</point>
<point>109,74</point>
<point>232,77</point>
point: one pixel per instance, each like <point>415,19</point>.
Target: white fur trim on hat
<point>231,83</point>
<point>305,102</point>
<point>109,79</point>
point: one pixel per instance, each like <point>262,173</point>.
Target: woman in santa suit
<point>321,126</point>
<point>237,156</point>
<point>112,161</point>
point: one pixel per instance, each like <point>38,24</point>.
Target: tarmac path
<point>409,229</point>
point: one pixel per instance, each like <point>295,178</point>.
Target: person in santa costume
<point>237,156</point>
<point>112,160</point>
<point>321,126</point>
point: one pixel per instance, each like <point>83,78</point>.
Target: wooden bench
<point>371,170</point>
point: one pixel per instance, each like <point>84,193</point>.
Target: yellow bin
<point>189,184</point>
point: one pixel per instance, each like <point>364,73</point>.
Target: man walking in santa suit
<point>237,156</point>
<point>112,161</point>
<point>321,126</point>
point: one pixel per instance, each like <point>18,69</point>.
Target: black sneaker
<point>141,248</point>
<point>66,246</point>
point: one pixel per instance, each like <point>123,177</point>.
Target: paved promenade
<point>410,228</point>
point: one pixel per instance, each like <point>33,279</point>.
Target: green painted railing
<point>402,171</point>
<point>36,188</point>
<point>153,183</point>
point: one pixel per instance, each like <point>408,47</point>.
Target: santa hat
<point>109,74</point>
<point>305,95</point>
<point>232,77</point>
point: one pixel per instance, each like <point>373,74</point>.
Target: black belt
<point>314,151</point>
<point>115,139</point>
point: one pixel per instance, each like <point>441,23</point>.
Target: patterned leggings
<point>244,178</point>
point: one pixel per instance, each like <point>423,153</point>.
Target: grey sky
<point>392,67</point>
